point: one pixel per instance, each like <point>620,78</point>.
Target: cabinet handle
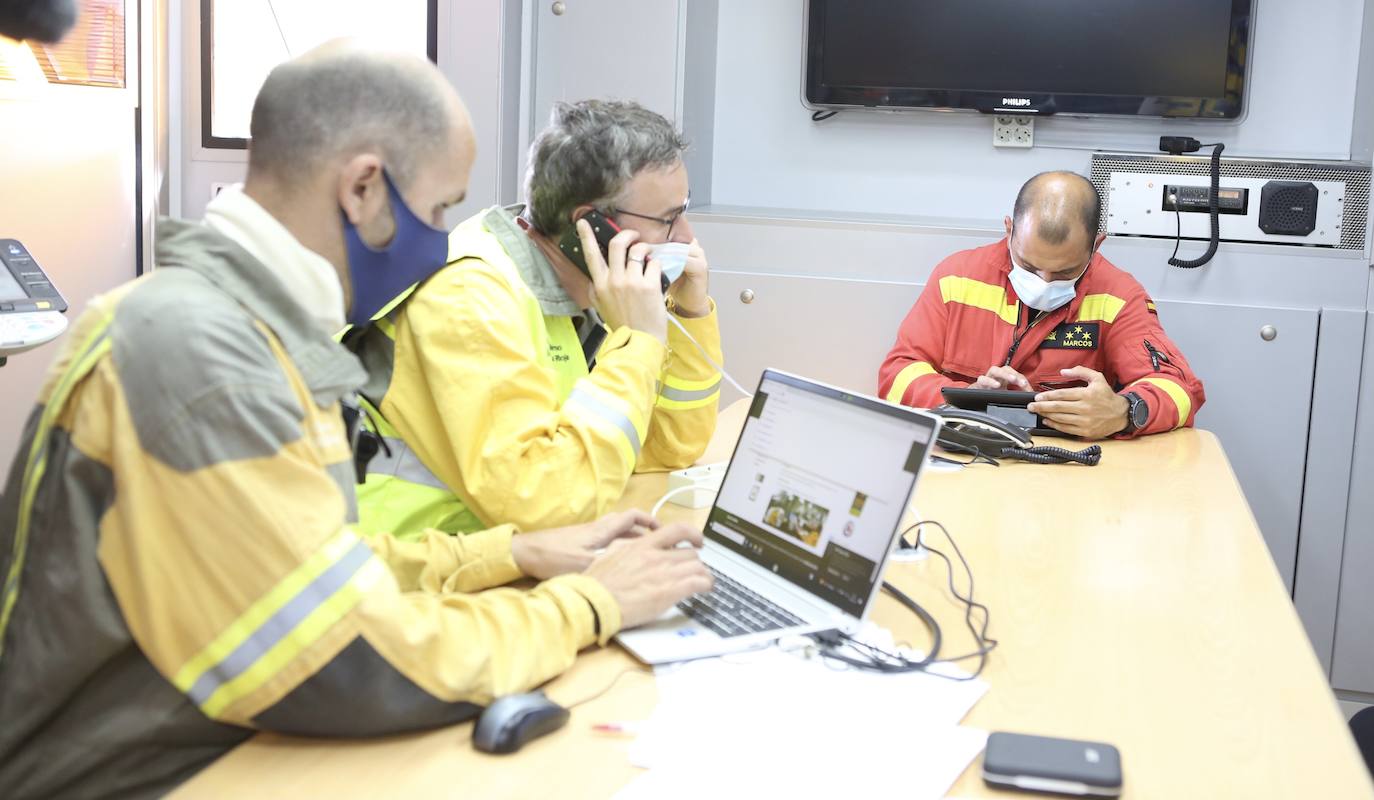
<point>746,296</point>
<point>1269,333</point>
<point>559,7</point>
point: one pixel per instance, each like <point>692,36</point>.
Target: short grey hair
<point>590,150</point>
<point>344,102</point>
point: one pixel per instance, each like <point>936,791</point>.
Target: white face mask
<point>1038,293</point>
<point>672,256</point>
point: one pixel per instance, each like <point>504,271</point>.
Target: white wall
<point>1362,140</point>
<point>68,164</point>
<point>472,37</point>
<point>768,152</point>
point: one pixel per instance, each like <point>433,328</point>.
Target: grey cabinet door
<point>622,49</point>
<point>831,330</point>
<point>1352,664</point>
<point>1259,401</point>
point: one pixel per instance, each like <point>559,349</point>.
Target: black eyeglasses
<point>670,221</point>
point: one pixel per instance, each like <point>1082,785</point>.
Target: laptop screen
<point>817,486</point>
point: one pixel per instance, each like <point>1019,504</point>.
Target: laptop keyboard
<point>729,609</point>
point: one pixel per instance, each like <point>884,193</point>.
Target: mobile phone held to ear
<point>1054,766</point>
<point>604,229</point>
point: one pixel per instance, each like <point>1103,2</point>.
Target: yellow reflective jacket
<point>179,566</point>
<point>479,382</point>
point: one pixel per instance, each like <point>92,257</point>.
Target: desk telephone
<point>31,308</point>
<point>987,437</point>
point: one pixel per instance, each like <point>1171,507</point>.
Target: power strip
<point>704,481</point>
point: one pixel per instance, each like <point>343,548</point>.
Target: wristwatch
<point>1137,413</point>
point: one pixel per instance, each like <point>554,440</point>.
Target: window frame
<point>208,141</point>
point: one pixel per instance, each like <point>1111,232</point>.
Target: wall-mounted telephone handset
<point>984,436</point>
<point>604,229</point>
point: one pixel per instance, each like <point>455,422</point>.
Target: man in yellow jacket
<point>175,542</point>
<point>513,386</point>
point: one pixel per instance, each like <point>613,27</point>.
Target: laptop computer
<point>807,514</point>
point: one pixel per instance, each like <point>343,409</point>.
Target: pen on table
<point>618,728</point>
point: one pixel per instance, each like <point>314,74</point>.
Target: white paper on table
<point>773,719</point>
<point>914,764</point>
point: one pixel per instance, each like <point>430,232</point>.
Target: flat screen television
<point>1153,58</point>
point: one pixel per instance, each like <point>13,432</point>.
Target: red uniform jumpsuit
<point>969,319</point>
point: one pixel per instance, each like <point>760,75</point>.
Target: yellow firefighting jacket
<point>479,382</point>
<point>179,566</point>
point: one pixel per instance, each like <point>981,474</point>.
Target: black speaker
<point>1288,208</point>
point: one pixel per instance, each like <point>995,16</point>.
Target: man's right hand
<point>650,574</point>
<point>625,291</point>
<point>1002,378</point>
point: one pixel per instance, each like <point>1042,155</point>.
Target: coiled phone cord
<point>1088,456</point>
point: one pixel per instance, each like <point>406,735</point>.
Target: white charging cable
<point>712,361</point>
<point>671,493</point>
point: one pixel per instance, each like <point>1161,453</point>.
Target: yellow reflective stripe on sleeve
<point>96,345</point>
<point>666,402</point>
<point>1182,402</point>
<point>282,624</point>
<point>679,394</point>
<point>597,404</point>
<point>1100,308</point>
<point>1151,306</point>
<point>683,384</point>
<point>905,378</point>
<point>956,289</point>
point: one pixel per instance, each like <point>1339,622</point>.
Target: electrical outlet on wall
<point>1011,131</point>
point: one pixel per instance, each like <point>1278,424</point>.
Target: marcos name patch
<point>1072,336</point>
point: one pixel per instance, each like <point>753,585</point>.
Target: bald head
<point>1058,208</point>
<point>342,99</point>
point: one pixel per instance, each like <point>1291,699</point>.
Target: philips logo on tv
<point>1016,101</point>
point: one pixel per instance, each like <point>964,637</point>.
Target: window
<point>91,54</point>
<point>242,40</point>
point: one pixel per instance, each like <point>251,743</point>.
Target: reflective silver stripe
<point>281,624</point>
<point>403,464</point>
<point>593,404</point>
<point>686,396</point>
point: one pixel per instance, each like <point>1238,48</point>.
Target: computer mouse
<point>511,721</point>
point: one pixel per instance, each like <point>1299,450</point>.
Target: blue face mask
<point>416,251</point>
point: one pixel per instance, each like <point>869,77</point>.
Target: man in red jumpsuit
<point>1043,311</point>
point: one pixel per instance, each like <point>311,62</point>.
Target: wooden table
<point>1135,603</point>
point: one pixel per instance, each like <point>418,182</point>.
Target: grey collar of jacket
<point>530,261</point>
<point>328,369</point>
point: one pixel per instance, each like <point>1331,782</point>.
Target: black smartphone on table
<point>1052,766</point>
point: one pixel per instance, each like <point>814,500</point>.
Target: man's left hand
<point>689,291</point>
<point>1092,412</point>
<point>559,551</point>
